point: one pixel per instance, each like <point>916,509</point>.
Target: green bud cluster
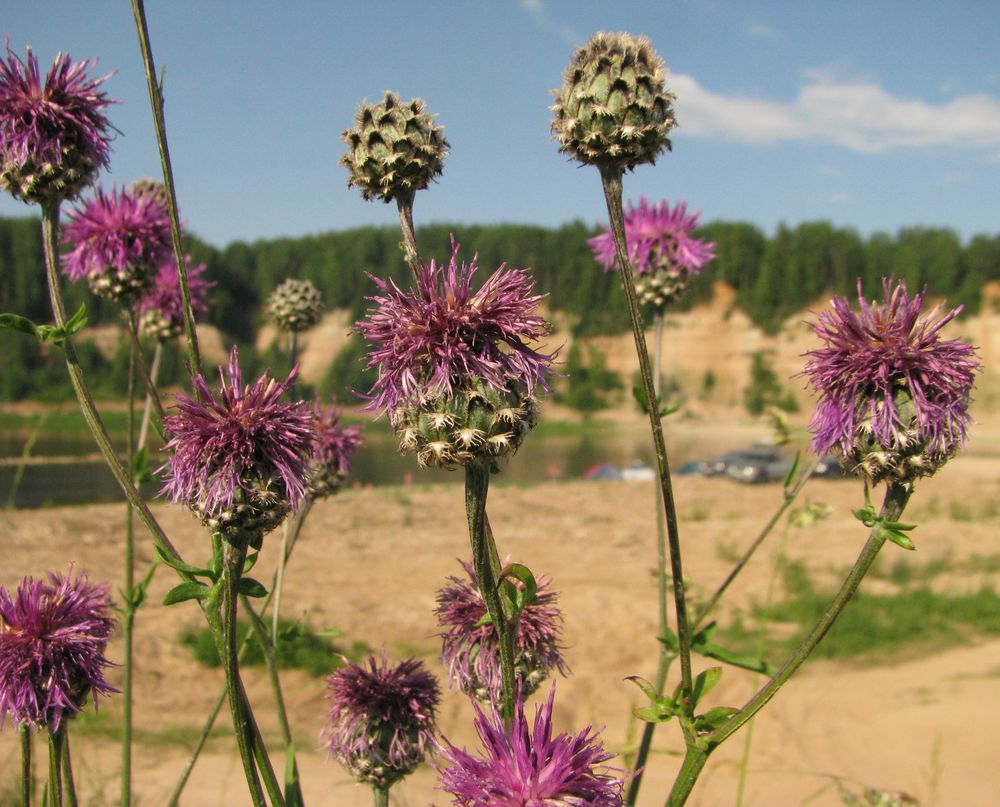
<point>529,671</point>
<point>156,326</point>
<point>253,513</point>
<point>394,149</point>
<point>295,305</point>
<point>37,183</point>
<point>613,108</point>
<point>379,772</point>
<point>122,283</point>
<point>477,424</point>
<point>324,480</point>
<point>905,462</point>
<point>662,286</point>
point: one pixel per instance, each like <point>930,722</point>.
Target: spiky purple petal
<point>382,717</point>
<point>53,634</point>
<point>218,448</point>
<point>56,128</point>
<point>883,349</point>
<point>333,444</point>
<point>436,339</point>
<point>526,766</point>
<point>470,650</point>
<point>657,236</point>
<point>164,297</point>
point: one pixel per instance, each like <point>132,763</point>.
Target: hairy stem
<point>612,182</point>
<point>233,557</point>
<point>147,409</point>
<point>159,123</point>
<point>55,765</point>
<point>409,245</point>
<point>50,229</point>
<point>128,619</point>
<point>214,713</point>
<point>484,555</point>
<point>26,772</point>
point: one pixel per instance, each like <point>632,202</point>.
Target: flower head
<point>118,241</point>
<point>239,462</point>
<point>161,308</point>
<point>394,149</point>
<point>333,446</point>
<point>526,766</point>
<point>54,137</point>
<point>613,110</point>
<point>435,340</point>
<point>893,395</point>
<point>660,247</point>
<point>53,634</point>
<point>381,718</point>
<point>471,651</point>
<point>295,305</point>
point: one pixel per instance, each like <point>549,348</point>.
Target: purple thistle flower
<point>333,446</point>
<point>161,309</point>
<point>528,767</point>
<point>436,340</point>
<point>893,395</point>
<point>118,241</point>
<point>52,640</point>
<point>53,136</point>
<point>656,236</point>
<point>239,462</point>
<point>471,651</point>
<point>381,718</point>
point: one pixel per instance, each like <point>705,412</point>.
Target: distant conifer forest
<point>774,276</point>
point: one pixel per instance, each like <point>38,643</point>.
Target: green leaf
<point>669,638</point>
<point>15,322</point>
<point>662,411</point>
<point>186,591</point>
<point>484,620</point>
<point>791,472</point>
<point>250,561</point>
<point>704,683</point>
<point>647,688</point>
<point>252,588</point>
<point>713,718</point>
<point>654,713</point>
<point>141,472</point>
<point>519,596</point>
<point>181,566</point>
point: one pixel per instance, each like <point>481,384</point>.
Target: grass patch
<point>299,647</point>
<point>873,627</point>
<point>69,422</point>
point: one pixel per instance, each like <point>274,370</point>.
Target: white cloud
<point>761,30</point>
<point>536,8</point>
<point>858,115</point>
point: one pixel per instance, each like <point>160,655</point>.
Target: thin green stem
<point>156,106</point>
<point>409,245</point>
<point>147,408</point>
<point>128,620</point>
<point>152,394</point>
<point>279,578</point>
<point>772,584</point>
<point>612,182</point>
<point>213,715</point>
<point>26,772</point>
<point>896,497</point>
<point>50,229</point>
<point>484,561</point>
<point>55,766</point>
<point>259,630</point>
<point>233,557</point>
<point>788,497</point>
<point>69,784</point>
<point>380,796</point>
<point>666,656</point>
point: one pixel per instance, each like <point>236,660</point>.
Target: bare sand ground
<point>370,561</point>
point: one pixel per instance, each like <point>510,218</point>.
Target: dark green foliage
<point>347,377</point>
<point>774,277</point>
<point>589,385</point>
<point>765,389</point>
<point>299,647</point>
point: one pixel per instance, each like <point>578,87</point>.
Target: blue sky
<point>874,115</point>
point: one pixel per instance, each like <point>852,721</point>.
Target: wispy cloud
<point>858,115</point>
<point>536,8</point>
<point>761,30</point>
